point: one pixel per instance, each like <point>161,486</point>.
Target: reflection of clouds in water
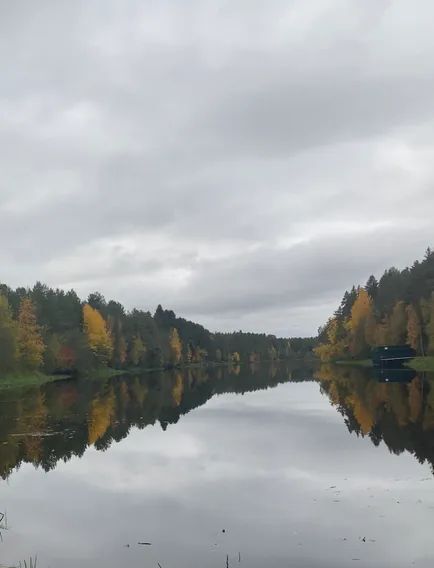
<point>150,456</point>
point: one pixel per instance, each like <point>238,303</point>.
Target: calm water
<point>331,468</point>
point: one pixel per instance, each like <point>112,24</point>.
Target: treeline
<point>397,309</point>
<point>50,330</point>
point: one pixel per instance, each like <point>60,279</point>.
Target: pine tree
<point>119,356</point>
<point>371,287</point>
<point>398,324</point>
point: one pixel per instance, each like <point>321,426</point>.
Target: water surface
<point>271,466</point>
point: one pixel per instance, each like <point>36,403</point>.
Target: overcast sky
<point>241,162</point>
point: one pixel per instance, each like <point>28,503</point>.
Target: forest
<point>53,331</point>
<point>394,310</point>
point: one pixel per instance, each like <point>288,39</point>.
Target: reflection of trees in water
<point>401,413</point>
<point>43,425</point>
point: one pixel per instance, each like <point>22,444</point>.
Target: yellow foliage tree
<point>235,358</point>
<point>30,343</point>
<point>335,346</point>
<point>138,351</point>
<point>175,346</point>
<point>97,333</point>
<point>272,353</point>
<point>361,315</point>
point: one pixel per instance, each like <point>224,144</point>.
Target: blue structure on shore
<point>392,356</point>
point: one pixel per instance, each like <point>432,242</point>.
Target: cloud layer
<point>242,164</point>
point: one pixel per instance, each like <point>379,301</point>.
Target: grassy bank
<point>422,363</point>
<point>418,363</point>
<point>103,373</point>
<point>19,380</point>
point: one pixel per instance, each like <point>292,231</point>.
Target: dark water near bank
<point>300,468</point>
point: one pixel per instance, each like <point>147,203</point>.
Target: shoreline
<point>37,378</point>
<point>417,364</point>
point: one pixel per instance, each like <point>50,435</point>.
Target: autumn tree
<point>137,351</point>
<point>235,358</point>
<point>175,346</point>
<point>8,338</point>
<point>30,343</point>
<point>414,328</point>
<point>272,353</point>
<point>334,345</point>
<point>198,354</point>
<point>361,313</point>
<point>98,335</point>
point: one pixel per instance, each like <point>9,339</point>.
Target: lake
<point>256,466</point>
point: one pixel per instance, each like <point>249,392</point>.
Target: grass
<point>3,522</point>
<point>20,380</point>
<point>31,563</point>
<point>422,363</point>
<point>103,373</point>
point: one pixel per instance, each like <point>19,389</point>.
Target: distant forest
<point>397,309</point>
<point>53,331</point>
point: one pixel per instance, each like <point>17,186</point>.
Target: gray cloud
<point>243,164</point>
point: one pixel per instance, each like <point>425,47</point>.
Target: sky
<point>242,163</point>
